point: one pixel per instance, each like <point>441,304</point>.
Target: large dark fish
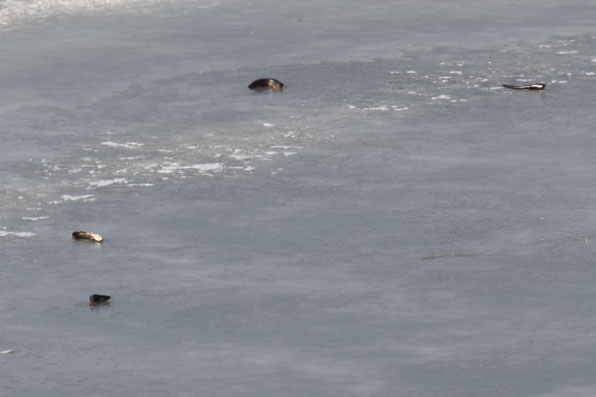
<point>533,86</point>
<point>98,299</point>
<point>266,84</point>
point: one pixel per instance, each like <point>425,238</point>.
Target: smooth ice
<point>394,223</point>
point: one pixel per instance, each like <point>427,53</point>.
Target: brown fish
<point>87,236</point>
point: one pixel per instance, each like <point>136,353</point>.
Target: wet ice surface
<point>393,223</point>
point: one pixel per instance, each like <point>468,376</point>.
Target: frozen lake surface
<point>394,223</point>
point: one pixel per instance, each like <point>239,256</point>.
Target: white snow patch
<point>128,145</point>
<point>107,182</point>
<point>35,218</point>
<point>85,197</point>
<point>384,107</point>
<point>130,158</point>
<point>17,234</point>
<point>441,97</point>
<point>169,168</point>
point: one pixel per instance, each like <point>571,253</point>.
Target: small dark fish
<point>533,86</point>
<point>98,299</point>
<point>87,236</point>
<point>266,84</point>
